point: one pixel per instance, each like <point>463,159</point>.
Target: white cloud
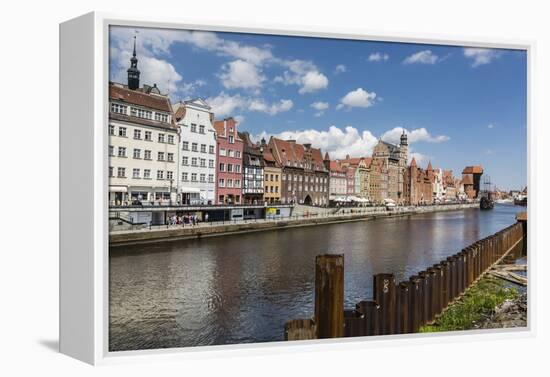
<point>240,119</point>
<point>422,160</point>
<point>191,87</point>
<point>153,70</point>
<point>225,104</point>
<point>241,74</point>
<point>271,109</point>
<point>340,68</point>
<point>320,107</point>
<point>489,151</point>
<point>491,125</point>
<point>378,56</point>
<point>413,136</point>
<point>481,56</point>
<point>422,57</point>
<point>336,141</point>
<point>357,98</point>
<point>302,73</point>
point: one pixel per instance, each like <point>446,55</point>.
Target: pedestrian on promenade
<point>206,217</point>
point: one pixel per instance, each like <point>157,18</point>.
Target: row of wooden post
<point>398,308</point>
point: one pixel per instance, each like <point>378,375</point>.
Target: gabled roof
<point>121,93</point>
<point>199,102</point>
<point>290,153</point>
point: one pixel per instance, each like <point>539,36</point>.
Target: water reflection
<point>243,288</point>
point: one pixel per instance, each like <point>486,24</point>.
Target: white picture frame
<point>84,46</point>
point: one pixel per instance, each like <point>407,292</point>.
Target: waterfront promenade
<point>158,233</point>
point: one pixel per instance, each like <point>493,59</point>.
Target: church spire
<point>133,71</point>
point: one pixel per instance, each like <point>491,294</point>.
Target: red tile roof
<point>290,153</point>
<point>135,97</point>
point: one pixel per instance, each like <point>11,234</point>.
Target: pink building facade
<point>229,161</point>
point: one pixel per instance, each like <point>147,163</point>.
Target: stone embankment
<point>177,232</point>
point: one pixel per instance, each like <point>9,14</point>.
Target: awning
<point>118,189</point>
<point>190,190</point>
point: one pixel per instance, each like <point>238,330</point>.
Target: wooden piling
<point>300,329</point>
<point>385,296</point>
<point>329,296</point>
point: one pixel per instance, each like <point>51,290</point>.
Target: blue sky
<point>460,106</point>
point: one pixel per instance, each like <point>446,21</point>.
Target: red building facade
<point>229,160</point>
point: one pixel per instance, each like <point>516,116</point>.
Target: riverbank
<point>490,303</point>
<point>177,232</point>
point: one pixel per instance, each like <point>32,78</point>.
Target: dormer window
<point>160,117</point>
<point>119,109</point>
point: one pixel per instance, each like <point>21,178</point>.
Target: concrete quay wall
<point>121,238</point>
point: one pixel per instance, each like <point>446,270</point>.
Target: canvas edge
<point>102,21</point>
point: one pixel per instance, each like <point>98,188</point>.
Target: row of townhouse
<point>164,153</point>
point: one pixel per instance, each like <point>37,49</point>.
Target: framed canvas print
<point>259,188</point>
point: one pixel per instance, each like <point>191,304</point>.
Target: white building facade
<point>197,152</point>
<point>438,186</point>
<point>143,146</point>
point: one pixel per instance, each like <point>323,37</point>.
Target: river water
<point>243,288</point>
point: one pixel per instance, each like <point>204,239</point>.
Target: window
<point>111,150</point>
<point>184,177</point>
<point>137,134</point>
<point>135,173</point>
<point>110,171</point>
<point>122,131</point>
<point>121,152</point>
<point>137,153</point>
<point>160,174</point>
<point>231,139</point>
<point>237,183</point>
<point>229,183</point>
<point>111,129</point>
<point>146,173</point>
<point>147,154</point>
<point>170,157</point>
<point>160,117</point>
<point>222,152</point>
<point>266,176</point>
<point>194,147</point>
<point>203,148</point>
<point>203,177</point>
<point>161,138</point>
<point>230,168</point>
<point>185,160</point>
<point>266,188</point>
<point>119,109</point>
<point>210,163</point>
<point>148,136</point>
<point>185,145</point>
<point>194,161</point>
<point>230,153</point>
<point>237,154</point>
<point>160,156</point>
<point>211,149</point>
<point>193,177</point>
<point>193,127</point>
<point>141,113</point>
<point>221,182</point>
<point>201,129</point>
<point>222,166</point>
<point>121,173</point>
<point>203,162</point>
<point>171,139</point>
<point>211,178</point>
<point>271,177</point>
<point>169,175</point>
<point>237,168</point>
